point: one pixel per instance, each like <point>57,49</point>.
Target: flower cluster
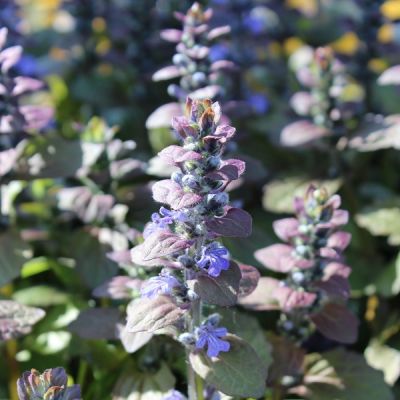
<point>183,236</point>
<point>333,101</point>
<point>315,288</point>
<point>51,385</point>
<point>16,119</point>
<point>191,63</point>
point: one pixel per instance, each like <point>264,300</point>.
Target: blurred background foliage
<point>81,189</point>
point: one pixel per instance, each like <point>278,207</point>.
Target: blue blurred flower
<point>218,52</point>
<point>258,102</point>
<point>174,395</point>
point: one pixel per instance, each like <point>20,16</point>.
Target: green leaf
<point>41,295</point>
<point>279,194</point>
<point>13,253</point>
<point>381,222</point>
<point>388,282</point>
<point>238,372</point>
<point>344,375</point>
<point>91,259</point>
<point>384,358</point>
<point>248,329</point>
<point>133,385</point>
<point>222,290</point>
<point>35,267</point>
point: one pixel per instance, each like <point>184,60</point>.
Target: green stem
<point>195,383</point>
<point>11,351</point>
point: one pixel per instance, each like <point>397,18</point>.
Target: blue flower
<point>258,102</point>
<point>162,220</point>
<point>162,284</point>
<point>214,259</point>
<point>208,335</point>
<point>218,52</point>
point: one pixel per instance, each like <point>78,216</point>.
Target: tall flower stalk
<point>183,238</point>
<point>315,289</point>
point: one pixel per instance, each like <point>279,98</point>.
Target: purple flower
<point>174,395</point>
<point>214,259</point>
<point>258,102</point>
<point>163,219</point>
<point>209,335</point>
<point>162,284</point>
<point>218,52</point>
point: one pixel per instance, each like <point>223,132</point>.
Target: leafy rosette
<point>16,319</point>
<point>50,385</point>
<point>16,117</point>
<point>198,76</point>
<point>332,101</point>
<point>316,287</point>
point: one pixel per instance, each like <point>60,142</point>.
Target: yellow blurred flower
<point>347,44</point>
<point>307,7</point>
<point>386,33</point>
<point>391,9</point>
<point>292,44</point>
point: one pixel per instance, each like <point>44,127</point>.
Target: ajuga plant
<point>18,121</point>
<point>199,77</point>
<point>16,118</point>
<point>313,293</point>
<point>333,101</point>
<point>50,385</point>
<point>197,271</point>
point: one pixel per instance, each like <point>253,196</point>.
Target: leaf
<point>162,244</point>
<point>248,328</point>
<point>388,282</point>
<point>381,222</point>
<point>343,375</point>
<point>96,323</point>
<point>249,280</point>
<point>171,193</point>
<point>302,132</point>
<point>337,322</point>
<point>16,319</point>
<point>385,359</point>
<point>162,116</point>
<point>262,298</point>
<point>235,223</point>
<point>52,157</point>
<point>238,372</point>
<point>149,315</point>
<point>13,254</point>
<point>134,385</point>
<point>92,263</point>
<point>175,155</point>
<point>279,194</point>
<point>222,290</point>
<point>41,295</point>
<point>377,133</point>
<point>170,72</point>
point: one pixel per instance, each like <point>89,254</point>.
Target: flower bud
<point>213,319</point>
<point>177,176</point>
<point>191,295</point>
<point>187,339</point>
<point>190,181</point>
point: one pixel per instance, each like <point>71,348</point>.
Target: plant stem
<point>277,393</point>
<point>195,383</point>
<point>11,351</point>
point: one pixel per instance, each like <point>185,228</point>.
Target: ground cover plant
<point>199,200</point>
